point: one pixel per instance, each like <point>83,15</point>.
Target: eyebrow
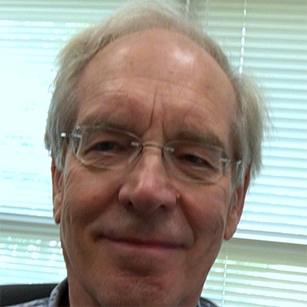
<point>100,120</point>
<point>207,138</point>
<point>110,117</point>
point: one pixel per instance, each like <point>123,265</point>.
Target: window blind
<point>265,265</point>
<point>268,39</point>
<point>252,273</point>
<point>31,34</point>
<point>276,51</point>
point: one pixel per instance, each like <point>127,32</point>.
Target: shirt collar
<point>60,293</point>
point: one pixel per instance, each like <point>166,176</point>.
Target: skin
<point>141,237</point>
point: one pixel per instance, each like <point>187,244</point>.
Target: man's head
<point>141,226</point>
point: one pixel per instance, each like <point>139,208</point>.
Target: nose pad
<point>147,188</point>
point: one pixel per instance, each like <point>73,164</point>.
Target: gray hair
<point>247,130</point>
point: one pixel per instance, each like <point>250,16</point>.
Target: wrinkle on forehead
<point>154,102</point>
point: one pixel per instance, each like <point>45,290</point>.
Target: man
<point>153,140</point>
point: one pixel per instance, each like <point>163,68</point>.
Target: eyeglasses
<point>103,147</point>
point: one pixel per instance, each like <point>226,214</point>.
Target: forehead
<point>159,77</point>
<point>163,55</point>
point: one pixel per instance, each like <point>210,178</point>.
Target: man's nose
<point>147,188</point>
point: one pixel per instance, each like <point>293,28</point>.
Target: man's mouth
<point>141,245</point>
<point>146,243</point>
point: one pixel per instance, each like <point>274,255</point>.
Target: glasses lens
<point>195,162</point>
<point>105,148</point>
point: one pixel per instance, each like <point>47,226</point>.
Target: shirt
<point>60,294</point>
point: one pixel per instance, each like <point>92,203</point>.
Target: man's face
<point>139,236</point>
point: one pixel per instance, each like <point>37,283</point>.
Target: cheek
<point>207,213</point>
<point>86,196</point>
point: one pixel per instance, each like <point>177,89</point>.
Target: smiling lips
<point>162,243</point>
<point>133,242</point>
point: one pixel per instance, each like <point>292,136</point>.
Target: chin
<point>125,290</point>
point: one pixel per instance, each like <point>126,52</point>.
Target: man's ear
<point>236,206</point>
<point>57,191</point>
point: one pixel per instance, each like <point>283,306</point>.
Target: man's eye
<point>106,146</point>
<point>195,161</point>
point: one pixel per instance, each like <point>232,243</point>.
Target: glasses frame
<point>75,138</point>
